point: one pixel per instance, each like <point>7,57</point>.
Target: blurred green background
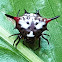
<point>47,9</point>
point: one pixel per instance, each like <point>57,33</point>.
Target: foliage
<point>47,53</point>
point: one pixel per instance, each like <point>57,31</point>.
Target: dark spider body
<point>31,27</point>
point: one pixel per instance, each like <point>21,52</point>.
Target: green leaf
<point>7,55</point>
<point>47,53</point>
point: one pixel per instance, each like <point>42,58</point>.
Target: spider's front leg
<point>39,44</point>
<point>19,38</point>
<point>45,38</point>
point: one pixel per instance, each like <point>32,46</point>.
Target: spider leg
<point>45,39</point>
<point>14,34</point>
<point>23,42</point>
<point>18,13</point>
<point>18,41</point>
<point>15,40</point>
<point>46,34</point>
<point>39,44</point>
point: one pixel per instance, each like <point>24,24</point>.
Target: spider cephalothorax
<point>31,26</point>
